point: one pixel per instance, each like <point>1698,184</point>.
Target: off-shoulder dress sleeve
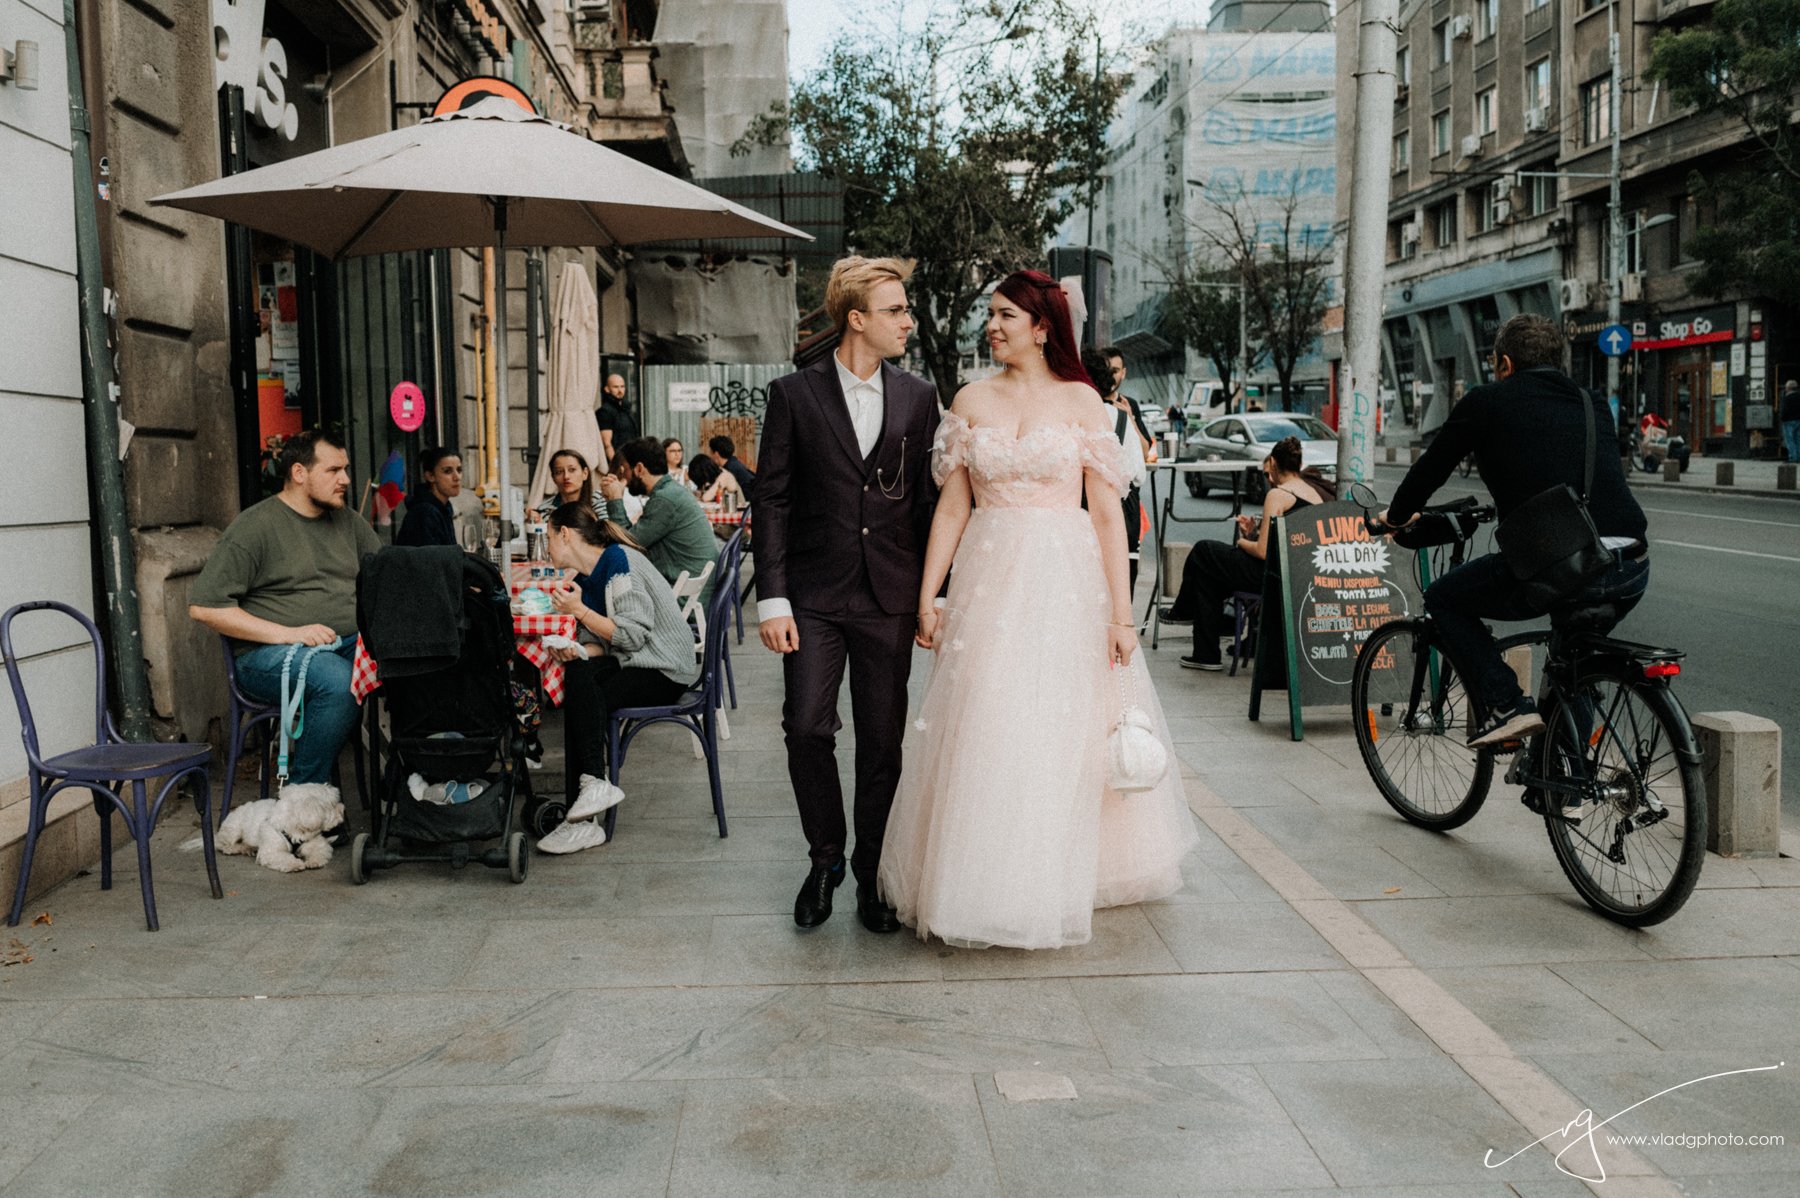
<point>1100,455</point>
<point>950,448</point>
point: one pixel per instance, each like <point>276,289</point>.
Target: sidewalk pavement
<point>1336,1002</point>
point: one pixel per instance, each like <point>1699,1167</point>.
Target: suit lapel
<point>896,404</point>
<point>829,394</point>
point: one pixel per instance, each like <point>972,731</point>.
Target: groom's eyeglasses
<point>899,311</point>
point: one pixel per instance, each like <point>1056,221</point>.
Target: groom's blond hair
<point>852,279</point>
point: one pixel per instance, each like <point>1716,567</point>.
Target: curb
<point>1646,484</point>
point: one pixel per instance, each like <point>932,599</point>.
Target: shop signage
<point>689,397</point>
<point>1701,328</point>
<point>407,404</point>
<point>244,58</point>
<point>1335,584</point>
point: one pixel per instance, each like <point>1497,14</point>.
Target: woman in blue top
<point>640,653</point>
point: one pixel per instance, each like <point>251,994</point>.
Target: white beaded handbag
<point>1136,758</point>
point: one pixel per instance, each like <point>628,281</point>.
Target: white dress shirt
<point>866,401</point>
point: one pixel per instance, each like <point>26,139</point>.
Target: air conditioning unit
<point>1401,91</point>
<point>1503,211</point>
<point>1537,120</point>
<point>1460,27</point>
<point>1631,288</point>
<point>1471,146</point>
<point>1573,295</point>
<point>1409,233</point>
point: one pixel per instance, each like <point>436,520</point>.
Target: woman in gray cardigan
<point>640,653</point>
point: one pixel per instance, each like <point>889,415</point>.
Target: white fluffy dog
<point>287,833</point>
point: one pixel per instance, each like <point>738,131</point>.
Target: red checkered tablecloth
<point>528,634</point>
<point>721,518</point>
<point>521,576</point>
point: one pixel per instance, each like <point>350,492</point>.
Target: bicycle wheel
<point>1634,845</point>
<point>1413,714</point>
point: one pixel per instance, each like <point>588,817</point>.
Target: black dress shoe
<point>876,915</point>
<point>812,906</point>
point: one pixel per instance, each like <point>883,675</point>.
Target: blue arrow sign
<point>1615,340</point>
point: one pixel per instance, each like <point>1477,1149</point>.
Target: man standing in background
<point>617,424</point>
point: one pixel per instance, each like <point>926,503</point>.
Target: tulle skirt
<point>1004,831</point>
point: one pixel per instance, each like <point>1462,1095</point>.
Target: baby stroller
<point>439,624</point>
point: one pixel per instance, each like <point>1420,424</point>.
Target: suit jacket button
<point>865,486</point>
<point>865,532</point>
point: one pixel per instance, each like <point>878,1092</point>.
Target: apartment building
<point>1499,204</point>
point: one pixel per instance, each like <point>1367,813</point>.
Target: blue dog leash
<point>293,707</point>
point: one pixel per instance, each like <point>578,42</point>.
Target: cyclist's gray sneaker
<point>1514,723</point>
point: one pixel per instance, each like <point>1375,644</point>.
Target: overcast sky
<point>813,24</point>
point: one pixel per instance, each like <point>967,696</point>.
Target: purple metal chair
<point>1245,606</point>
<point>731,565</point>
<point>697,710</point>
<point>101,769</point>
<point>244,716</point>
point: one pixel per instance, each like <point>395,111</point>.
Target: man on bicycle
<point>1527,433</point>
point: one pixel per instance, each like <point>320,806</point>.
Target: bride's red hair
<point>1048,304</point>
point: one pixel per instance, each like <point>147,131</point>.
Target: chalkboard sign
<point>1331,587</point>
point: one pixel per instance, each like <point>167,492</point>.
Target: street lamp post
<point>1615,223</point>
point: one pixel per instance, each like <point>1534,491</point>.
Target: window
<point>1537,86</point>
<point>1403,66</point>
<point>1401,246</point>
<point>1596,110</point>
<point>1441,41</point>
<point>1443,224</point>
<point>1634,240</point>
<point>1484,205</point>
<point>1440,133</point>
<point>1402,151</point>
<point>1540,192</point>
<point>1534,5</point>
<point>1487,19</point>
<point>1484,111</point>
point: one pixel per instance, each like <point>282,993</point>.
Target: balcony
<point>1542,20</point>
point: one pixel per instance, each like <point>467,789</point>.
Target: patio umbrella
<point>490,174</point>
<point>574,377</point>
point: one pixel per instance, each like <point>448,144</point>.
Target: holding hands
<point>926,636</point>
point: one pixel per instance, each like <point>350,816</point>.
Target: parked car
<point>1249,438</point>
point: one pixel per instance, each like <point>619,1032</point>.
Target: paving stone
<point>1501,930</point>
<point>959,1027</point>
<point>869,1136</point>
<point>1420,1121</point>
<point>1211,1019</point>
<point>1536,1010</point>
<point>669,1033</point>
<point>1124,941</point>
<point>751,950</point>
<point>602,951</point>
<point>1149,1131</point>
<point>1231,937</point>
<point>1693,1004</point>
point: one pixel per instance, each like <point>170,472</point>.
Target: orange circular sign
<point>472,91</point>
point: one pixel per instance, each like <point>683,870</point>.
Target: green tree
<point>962,147</point>
<point>1202,313</point>
<point>1744,64</point>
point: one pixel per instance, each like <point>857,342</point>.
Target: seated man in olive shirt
<point>283,574</point>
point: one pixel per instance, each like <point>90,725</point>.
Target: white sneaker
<point>596,795</point>
<point>572,837</point>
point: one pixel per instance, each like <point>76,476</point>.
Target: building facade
<point>1499,204</point>
<point>1218,120</point>
<point>45,539</point>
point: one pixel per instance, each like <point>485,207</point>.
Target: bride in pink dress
<point>1004,831</point>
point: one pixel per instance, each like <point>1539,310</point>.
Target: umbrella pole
<point>503,415</point>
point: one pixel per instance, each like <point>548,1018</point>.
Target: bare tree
<point>1285,265</point>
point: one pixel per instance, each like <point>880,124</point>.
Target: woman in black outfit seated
<point>1215,570</point>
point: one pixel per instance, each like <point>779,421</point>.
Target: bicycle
<point>1615,774</point>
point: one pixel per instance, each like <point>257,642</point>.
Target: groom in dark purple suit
<point>843,506</point>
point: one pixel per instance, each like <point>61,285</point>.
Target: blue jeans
<point>1790,437</point>
<point>1484,589</point>
<point>329,711</point>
